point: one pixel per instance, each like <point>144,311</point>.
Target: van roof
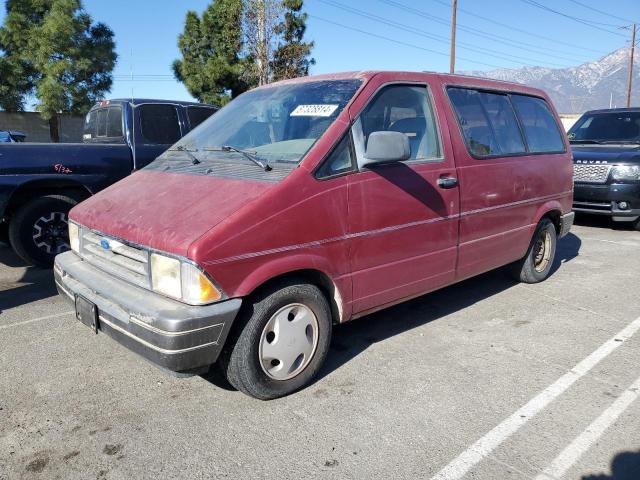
<point>453,79</point>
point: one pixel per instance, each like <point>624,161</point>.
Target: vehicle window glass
<point>101,123</point>
<point>406,109</point>
<point>538,123</point>
<point>487,121</point>
<point>90,125</point>
<point>159,124</point>
<point>607,127</point>
<point>114,122</point>
<point>276,123</point>
<point>197,115</point>
<point>338,161</point>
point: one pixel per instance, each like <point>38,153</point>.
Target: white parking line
<point>583,442</point>
<point>458,467</point>
<point>17,324</point>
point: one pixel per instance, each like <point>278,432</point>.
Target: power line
<point>602,12</point>
<point>399,42</point>
<point>588,23</point>
<point>480,33</point>
<point>437,38</point>
<point>516,29</point>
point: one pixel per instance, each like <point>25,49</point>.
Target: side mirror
<point>386,147</point>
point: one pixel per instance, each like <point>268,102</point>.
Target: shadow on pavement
<point>624,466</point>
<point>34,284</point>
<point>352,338</point>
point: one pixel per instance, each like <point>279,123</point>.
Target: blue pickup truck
<point>41,182</point>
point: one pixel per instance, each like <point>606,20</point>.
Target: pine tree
<point>211,67</point>
<point>291,57</point>
<point>53,50</point>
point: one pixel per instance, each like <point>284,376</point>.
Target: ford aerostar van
<point>311,202</point>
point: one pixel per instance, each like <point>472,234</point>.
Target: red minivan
<point>311,202</point>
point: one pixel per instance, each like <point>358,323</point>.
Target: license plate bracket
<point>87,313</point>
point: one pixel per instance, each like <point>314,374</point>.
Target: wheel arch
<point>290,269</point>
<point>39,188</point>
<point>551,210</point>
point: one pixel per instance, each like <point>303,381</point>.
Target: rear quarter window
<point>197,115</point>
<point>539,125</point>
<point>104,124</point>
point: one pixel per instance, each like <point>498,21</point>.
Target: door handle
<point>447,182</point>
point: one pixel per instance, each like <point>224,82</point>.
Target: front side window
<point>406,109</point>
<point>487,121</point>
<point>539,125</point>
<point>607,127</point>
<point>159,124</point>
<point>338,161</point>
<point>277,123</point>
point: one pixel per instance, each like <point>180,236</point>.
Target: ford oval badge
<point>104,244</point>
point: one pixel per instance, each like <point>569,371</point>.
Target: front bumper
<point>604,199</point>
<point>171,334</point>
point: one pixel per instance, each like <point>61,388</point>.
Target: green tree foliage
<point>211,66</point>
<point>237,44</point>
<point>53,50</point>
<point>292,56</point>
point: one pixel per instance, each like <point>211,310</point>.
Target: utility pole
<point>452,64</point>
<point>630,81</point>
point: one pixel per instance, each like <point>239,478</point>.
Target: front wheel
<point>280,343</point>
<point>39,229</point>
<point>536,265</point>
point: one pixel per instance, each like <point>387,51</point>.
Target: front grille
<point>116,258</point>
<point>591,173</point>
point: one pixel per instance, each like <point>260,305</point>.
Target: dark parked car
<point>11,136</point>
<point>606,164</point>
<point>41,182</point>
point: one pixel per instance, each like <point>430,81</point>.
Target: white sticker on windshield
<point>324,110</point>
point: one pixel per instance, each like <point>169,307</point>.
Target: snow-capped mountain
<point>576,89</point>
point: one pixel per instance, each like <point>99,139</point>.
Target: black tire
<point>4,233</point>
<point>240,362</point>
<point>38,230</point>
<point>536,265</point>
<point>636,224</point>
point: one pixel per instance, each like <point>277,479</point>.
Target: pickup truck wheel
<point>39,229</point>
<point>4,232</point>
<point>281,342</point>
<point>537,263</point>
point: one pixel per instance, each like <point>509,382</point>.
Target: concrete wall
<point>37,129</point>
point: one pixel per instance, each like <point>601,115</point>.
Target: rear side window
<point>539,125</point>
<point>103,123</point>
<point>197,115</point>
<point>488,122</point>
<point>159,124</point>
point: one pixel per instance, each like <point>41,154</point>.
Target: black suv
<point>606,164</point>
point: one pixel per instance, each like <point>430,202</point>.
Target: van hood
<point>166,211</point>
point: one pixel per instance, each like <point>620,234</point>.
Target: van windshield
<point>275,124</point>
<point>610,127</point>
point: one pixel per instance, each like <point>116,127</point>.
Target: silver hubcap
<point>288,341</point>
<point>51,234</point>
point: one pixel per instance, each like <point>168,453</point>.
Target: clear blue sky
<point>146,36</point>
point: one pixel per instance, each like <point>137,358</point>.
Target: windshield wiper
<point>182,148</point>
<point>247,154</point>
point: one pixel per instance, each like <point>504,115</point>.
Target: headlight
<point>74,237</point>
<point>182,281</point>
<point>626,172</point>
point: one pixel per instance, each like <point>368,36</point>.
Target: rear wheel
<point>636,224</point>
<point>280,343</point>
<point>39,229</point>
<point>536,265</point>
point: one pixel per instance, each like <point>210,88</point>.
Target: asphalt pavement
<point>487,379</point>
